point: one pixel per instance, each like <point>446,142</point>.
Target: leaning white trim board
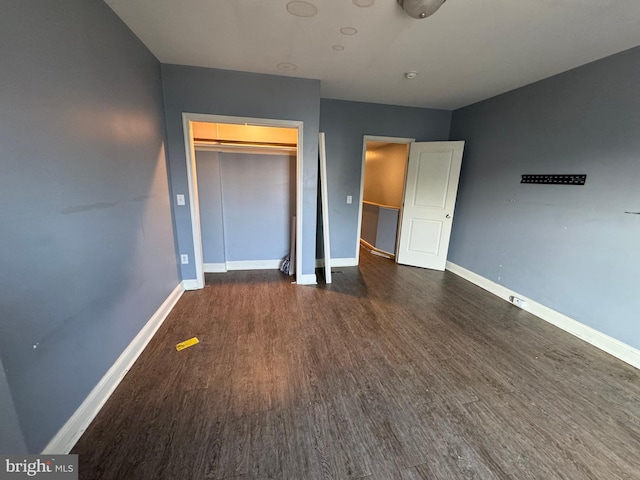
<point>324,201</point>
<point>604,342</point>
<point>72,430</point>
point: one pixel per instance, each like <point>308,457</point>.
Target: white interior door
<point>429,200</point>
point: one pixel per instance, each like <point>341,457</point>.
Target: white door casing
<point>429,201</point>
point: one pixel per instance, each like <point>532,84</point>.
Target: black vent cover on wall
<point>555,179</point>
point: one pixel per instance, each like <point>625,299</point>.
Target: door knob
<point>448,216</point>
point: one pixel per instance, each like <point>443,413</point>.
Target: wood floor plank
<point>391,372</point>
<point>267,446</point>
<point>231,459</point>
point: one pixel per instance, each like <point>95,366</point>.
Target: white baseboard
<point>307,279</point>
<point>338,262</point>
<point>254,264</point>
<point>604,342</point>
<point>344,262</point>
<point>482,282</point>
<point>242,265</point>
<point>214,267</point>
<point>70,433</point>
<point>190,284</point>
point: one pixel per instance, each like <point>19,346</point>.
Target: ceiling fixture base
<point>420,8</point>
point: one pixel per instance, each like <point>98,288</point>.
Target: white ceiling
<point>467,51</point>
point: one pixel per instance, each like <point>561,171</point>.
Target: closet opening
<point>244,181</point>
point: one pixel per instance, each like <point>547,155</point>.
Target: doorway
<point>420,231</point>
<point>241,146</point>
<point>384,166</point>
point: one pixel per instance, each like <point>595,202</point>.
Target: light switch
<point>349,199</point>
<point>180,199</point>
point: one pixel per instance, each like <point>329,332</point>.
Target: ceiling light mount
<point>300,8</point>
<point>348,31</point>
<point>420,8</point>
<point>411,75</point>
<point>287,67</point>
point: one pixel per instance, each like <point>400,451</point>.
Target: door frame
<point>192,180</point>
<point>365,139</point>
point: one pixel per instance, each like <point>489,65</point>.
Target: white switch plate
<point>180,199</point>
<point>349,199</point>
<point>184,259</point>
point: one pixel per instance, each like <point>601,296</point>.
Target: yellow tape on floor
<point>187,343</point>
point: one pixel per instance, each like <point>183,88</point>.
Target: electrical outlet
<point>518,302</point>
<point>184,259</point>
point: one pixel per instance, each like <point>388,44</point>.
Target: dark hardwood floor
<point>391,372</point>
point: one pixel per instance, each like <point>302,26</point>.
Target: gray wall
<point>380,227</point>
<point>256,196</point>
<point>87,246</point>
<point>223,92</point>
<point>369,227</point>
<point>11,439</point>
<point>210,199</point>
<point>345,124</point>
<point>246,205</point>
<point>387,230</point>
<point>570,248</point>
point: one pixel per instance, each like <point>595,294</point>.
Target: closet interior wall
<point>247,201</point>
